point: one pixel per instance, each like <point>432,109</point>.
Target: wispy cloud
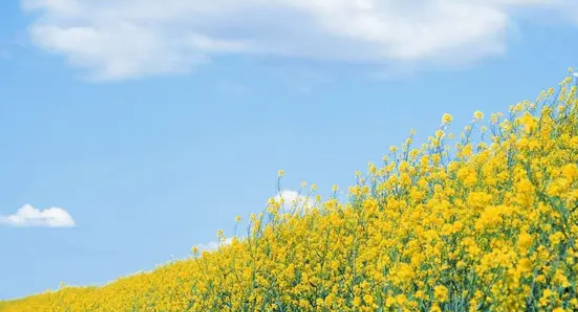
<point>126,38</point>
<point>28,216</point>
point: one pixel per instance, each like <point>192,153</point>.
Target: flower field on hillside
<point>489,225</point>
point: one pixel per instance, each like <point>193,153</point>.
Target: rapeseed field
<point>483,221</point>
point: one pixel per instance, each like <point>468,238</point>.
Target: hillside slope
<point>490,227</point>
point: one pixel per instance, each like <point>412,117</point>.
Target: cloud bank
<point>28,216</point>
<point>123,39</point>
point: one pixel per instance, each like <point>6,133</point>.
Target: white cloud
<point>293,202</point>
<point>129,38</point>
<point>30,216</point>
<point>575,74</point>
<point>214,245</point>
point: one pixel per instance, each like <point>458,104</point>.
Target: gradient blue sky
<point>152,150</point>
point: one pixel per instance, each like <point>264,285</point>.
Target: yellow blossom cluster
<point>492,226</point>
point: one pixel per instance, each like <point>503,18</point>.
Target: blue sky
<point>153,127</point>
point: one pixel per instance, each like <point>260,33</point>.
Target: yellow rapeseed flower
<point>446,118</point>
<point>497,219</point>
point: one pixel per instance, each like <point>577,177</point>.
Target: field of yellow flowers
<point>490,224</point>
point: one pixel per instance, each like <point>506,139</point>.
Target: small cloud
<point>28,216</point>
<point>575,74</point>
<point>293,202</point>
<point>214,245</point>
